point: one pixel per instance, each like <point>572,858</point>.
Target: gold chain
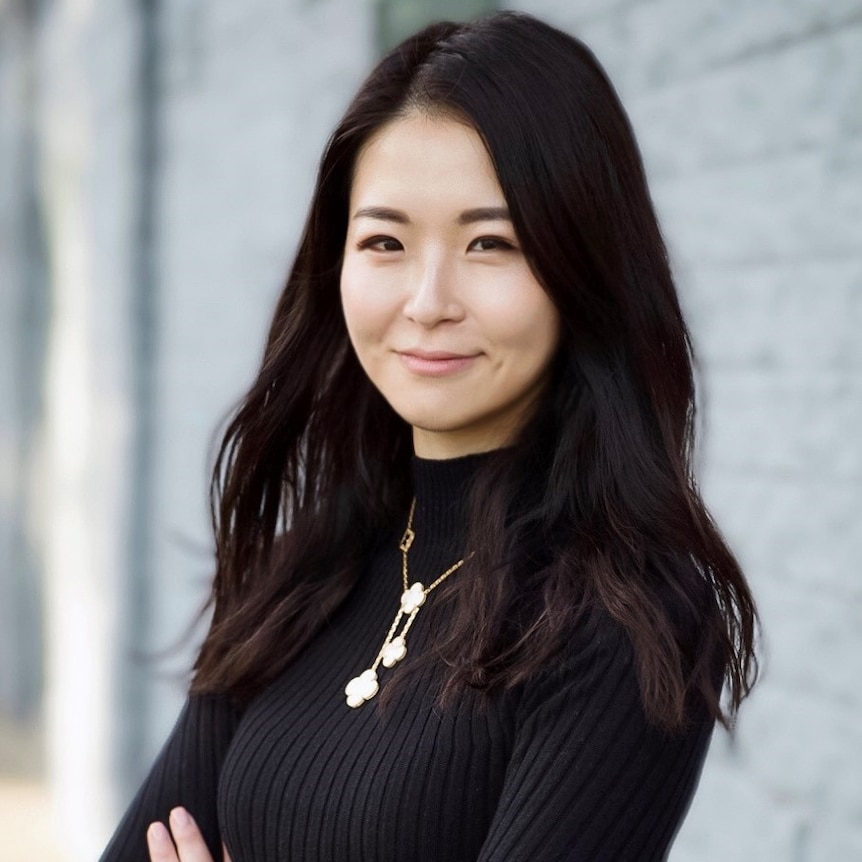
<point>363,687</point>
<point>407,541</point>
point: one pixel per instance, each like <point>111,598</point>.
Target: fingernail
<point>180,817</point>
<point>158,834</point>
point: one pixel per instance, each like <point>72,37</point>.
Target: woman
<point>476,396</point>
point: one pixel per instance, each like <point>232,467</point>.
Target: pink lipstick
<point>437,363</point>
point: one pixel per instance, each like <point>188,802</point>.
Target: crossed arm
<point>184,778</point>
<point>183,843</point>
<point>588,777</point>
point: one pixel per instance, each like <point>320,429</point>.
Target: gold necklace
<point>363,687</point>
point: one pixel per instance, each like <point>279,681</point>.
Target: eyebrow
<point>467,217</point>
<point>484,214</point>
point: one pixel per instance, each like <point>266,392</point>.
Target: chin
<point>432,424</point>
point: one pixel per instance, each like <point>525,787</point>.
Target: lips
<point>436,363</point>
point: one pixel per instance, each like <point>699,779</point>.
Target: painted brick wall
<point>246,95</point>
<point>251,92</point>
<point>750,118</point>
<point>749,115</point>
<point>73,162</point>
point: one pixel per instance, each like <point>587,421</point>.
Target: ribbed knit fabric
<point>564,768</point>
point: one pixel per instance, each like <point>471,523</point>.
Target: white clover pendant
<point>394,651</point>
<point>413,598</point>
<point>361,688</point>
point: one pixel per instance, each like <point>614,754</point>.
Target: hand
<point>190,845</point>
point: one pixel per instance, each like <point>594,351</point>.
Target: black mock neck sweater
<point>564,768</point>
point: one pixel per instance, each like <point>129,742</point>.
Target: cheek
<point>370,306</point>
<point>358,302</point>
<point>525,321</point>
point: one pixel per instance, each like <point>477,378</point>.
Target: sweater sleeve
<point>590,779</point>
<point>186,773</point>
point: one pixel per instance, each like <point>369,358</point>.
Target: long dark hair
<point>314,461</point>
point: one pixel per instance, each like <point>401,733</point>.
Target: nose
<point>433,294</point>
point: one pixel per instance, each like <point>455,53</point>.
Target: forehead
<point>421,161</point>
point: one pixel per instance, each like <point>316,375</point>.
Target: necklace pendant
<point>361,688</point>
<point>413,598</point>
<point>394,651</point>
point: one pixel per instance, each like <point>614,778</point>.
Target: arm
<point>590,780</point>
<point>183,843</point>
<point>186,774</point>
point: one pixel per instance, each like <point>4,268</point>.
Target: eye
<point>492,243</point>
<point>380,243</point>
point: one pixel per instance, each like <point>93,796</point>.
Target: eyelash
<point>503,244</point>
<point>376,240</point>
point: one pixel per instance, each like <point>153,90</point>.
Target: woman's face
<point>442,309</point>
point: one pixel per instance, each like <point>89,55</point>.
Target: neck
<point>441,486</point>
<point>439,446</point>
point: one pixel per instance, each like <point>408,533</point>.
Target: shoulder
<point>596,665</point>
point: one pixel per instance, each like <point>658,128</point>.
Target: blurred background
<point>156,162</point>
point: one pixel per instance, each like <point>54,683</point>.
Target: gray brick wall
<point>750,119</point>
<point>251,92</point>
<point>245,96</point>
<point>749,115</point>
<point>83,109</point>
